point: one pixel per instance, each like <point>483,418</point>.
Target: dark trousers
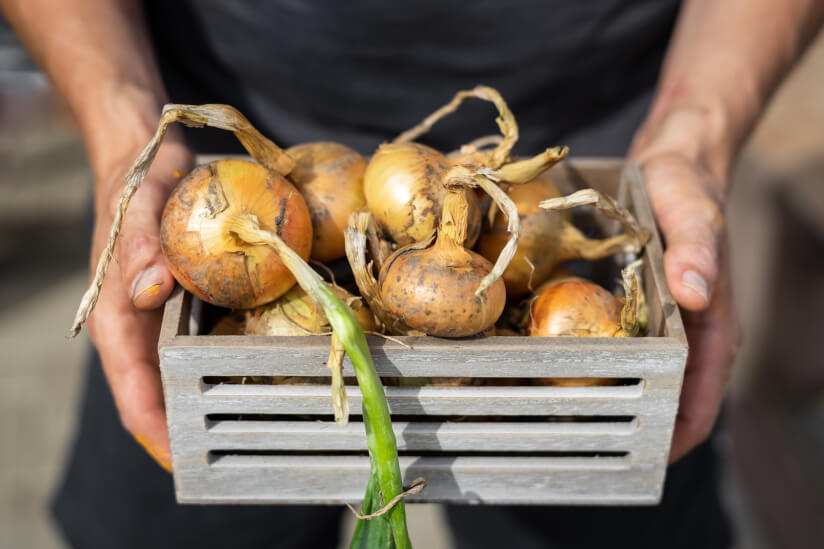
<point>114,496</point>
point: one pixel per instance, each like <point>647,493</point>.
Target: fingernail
<point>146,284</point>
<point>696,283</point>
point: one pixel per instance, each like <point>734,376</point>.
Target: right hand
<point>125,324</point>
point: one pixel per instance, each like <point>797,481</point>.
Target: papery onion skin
<point>330,178</point>
<point>404,191</point>
<point>425,289</point>
<point>575,308</point>
<point>294,314</point>
<point>210,261</point>
<point>539,242</point>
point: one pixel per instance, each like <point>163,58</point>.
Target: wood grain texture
<point>465,479</point>
<point>256,461</point>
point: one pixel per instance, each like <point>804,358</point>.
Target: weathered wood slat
<point>526,357</point>
<point>426,400</point>
<point>503,429</point>
<point>337,479</point>
<point>512,437</point>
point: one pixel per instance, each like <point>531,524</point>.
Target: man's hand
<point>723,62</point>
<point>687,203</point>
<point>126,322</point>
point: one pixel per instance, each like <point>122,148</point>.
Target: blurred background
<point>773,437</point>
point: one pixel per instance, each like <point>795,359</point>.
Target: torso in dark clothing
<point>361,71</point>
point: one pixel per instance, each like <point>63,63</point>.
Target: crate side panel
<point>175,316</point>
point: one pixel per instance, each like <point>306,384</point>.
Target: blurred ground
<point>44,195</point>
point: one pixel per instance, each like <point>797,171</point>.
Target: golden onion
<point>207,258</point>
<point>330,178</point>
<point>403,185</point>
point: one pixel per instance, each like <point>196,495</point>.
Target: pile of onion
<point>440,287</point>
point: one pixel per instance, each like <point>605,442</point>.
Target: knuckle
<point>136,249</point>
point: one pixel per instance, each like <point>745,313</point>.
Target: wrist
<point>117,123</point>
<point>117,133</point>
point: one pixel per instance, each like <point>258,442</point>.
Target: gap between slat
<point>614,392</point>
<point>529,428</point>
<point>418,463</point>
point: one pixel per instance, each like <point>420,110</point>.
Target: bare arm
<point>724,62</point>
<point>98,56</point>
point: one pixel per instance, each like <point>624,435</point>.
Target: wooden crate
<point>524,444</point>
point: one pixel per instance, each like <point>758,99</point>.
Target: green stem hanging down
<point>380,437</point>
<point>375,533</point>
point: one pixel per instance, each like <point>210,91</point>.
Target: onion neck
<point>454,216</point>
<point>453,227</point>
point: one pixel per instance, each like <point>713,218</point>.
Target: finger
<point>714,337</point>
<point>138,252</point>
<point>691,222</point>
<point>126,340</point>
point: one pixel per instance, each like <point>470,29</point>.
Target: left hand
<point>687,200</point>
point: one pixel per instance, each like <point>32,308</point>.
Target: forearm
<point>725,60</point>
<point>98,55</point>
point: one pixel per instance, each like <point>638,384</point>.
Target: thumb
<point>144,271</point>
<point>691,223</point>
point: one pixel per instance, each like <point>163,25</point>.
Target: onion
<point>404,180</point>
<point>547,237</point>
<point>225,117</point>
<point>539,245</point>
<point>432,286</point>
<point>574,307</point>
<point>211,262</point>
<point>295,313</point>
<point>330,178</point>
<point>404,190</point>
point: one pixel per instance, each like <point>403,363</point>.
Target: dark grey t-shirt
<point>360,71</point>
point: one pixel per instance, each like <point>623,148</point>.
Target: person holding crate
<point>677,86</point>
